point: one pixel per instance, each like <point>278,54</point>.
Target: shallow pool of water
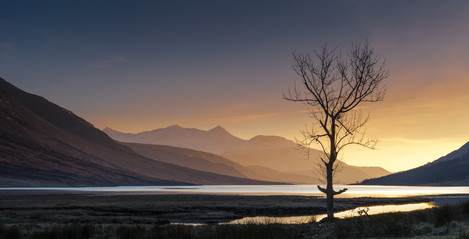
<point>359,211</point>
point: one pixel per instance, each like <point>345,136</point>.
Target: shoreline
<point>111,208</point>
<point>203,216</point>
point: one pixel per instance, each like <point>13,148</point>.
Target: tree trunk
<point>329,173</point>
<point>330,194</point>
<point>329,190</point>
<point>334,86</point>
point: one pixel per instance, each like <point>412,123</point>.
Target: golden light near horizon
<point>210,67</point>
<point>415,125</point>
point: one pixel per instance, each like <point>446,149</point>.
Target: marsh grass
<point>68,231</point>
<point>252,231</point>
<point>85,231</point>
<point>463,234</point>
<point>236,231</point>
<point>173,231</point>
<point>130,232</point>
<point>404,224</point>
<point>449,221</point>
<point>9,232</point>
<point>445,215</point>
<point>393,224</point>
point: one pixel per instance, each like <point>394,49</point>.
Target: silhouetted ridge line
<point>262,157</point>
<point>44,144</point>
<point>57,115</point>
<point>450,170</point>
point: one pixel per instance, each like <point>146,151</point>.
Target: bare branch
<point>332,86</point>
<point>323,190</point>
<point>343,190</point>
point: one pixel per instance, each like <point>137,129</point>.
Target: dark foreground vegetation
<point>450,221</point>
<point>159,209</point>
<point>83,231</point>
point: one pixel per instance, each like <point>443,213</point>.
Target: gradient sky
<point>140,65</point>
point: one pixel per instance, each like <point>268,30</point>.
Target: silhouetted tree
<point>333,86</point>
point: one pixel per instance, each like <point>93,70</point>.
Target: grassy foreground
<point>135,209</point>
<point>443,222</point>
<point>449,221</point>
<point>83,231</point>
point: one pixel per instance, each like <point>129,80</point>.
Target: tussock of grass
<point>444,215</point>
<point>463,235</point>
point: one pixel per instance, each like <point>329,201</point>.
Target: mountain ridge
<point>449,170</point>
<point>267,153</point>
<point>214,163</point>
<point>42,143</point>
<point>174,135</point>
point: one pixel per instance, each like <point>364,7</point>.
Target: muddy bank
<point>161,209</point>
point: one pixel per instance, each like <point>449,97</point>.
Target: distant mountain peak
<point>218,128</point>
<point>175,126</point>
<point>216,140</point>
<point>107,129</point>
<point>220,131</point>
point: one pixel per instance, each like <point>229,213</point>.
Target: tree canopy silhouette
<point>333,85</point>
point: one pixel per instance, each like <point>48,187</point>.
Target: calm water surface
<point>372,210</point>
<point>309,190</point>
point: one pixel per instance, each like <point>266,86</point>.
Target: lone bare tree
<point>333,86</point>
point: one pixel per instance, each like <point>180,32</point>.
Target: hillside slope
<point>209,162</point>
<point>450,170</point>
<point>262,157</point>
<point>188,158</point>
<point>42,143</point>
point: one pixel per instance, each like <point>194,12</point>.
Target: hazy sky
<point>141,65</point>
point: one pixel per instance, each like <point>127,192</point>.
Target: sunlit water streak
<point>360,211</point>
<point>309,190</point>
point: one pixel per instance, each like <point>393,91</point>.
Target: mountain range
<point>261,157</point>
<point>43,144</point>
<point>450,170</point>
<point>216,140</point>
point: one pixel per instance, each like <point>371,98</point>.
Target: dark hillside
<point>42,143</point>
<point>451,170</point>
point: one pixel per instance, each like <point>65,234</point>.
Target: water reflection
<point>307,190</point>
<point>372,210</point>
